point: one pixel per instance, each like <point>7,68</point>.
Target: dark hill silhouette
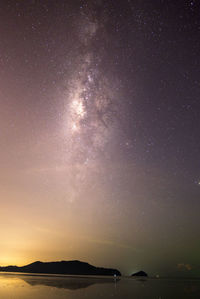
<point>62,267</point>
<point>140,273</point>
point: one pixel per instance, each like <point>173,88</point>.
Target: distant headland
<point>140,273</point>
<point>62,267</point>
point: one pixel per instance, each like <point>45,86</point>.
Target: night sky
<point>100,133</point>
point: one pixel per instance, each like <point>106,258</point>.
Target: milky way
<point>91,97</point>
<point>91,117</point>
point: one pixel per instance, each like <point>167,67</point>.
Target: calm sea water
<point>15,286</point>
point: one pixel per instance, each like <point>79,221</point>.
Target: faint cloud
<point>53,169</point>
<point>109,243</point>
<point>182,266</point>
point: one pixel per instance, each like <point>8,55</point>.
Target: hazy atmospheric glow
<point>100,134</point>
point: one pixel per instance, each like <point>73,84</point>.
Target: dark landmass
<point>140,273</point>
<point>62,267</point>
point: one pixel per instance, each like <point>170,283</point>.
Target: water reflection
<point>30,286</point>
<point>71,283</point>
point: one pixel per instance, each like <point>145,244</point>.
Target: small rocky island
<point>140,273</point>
<point>62,267</point>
